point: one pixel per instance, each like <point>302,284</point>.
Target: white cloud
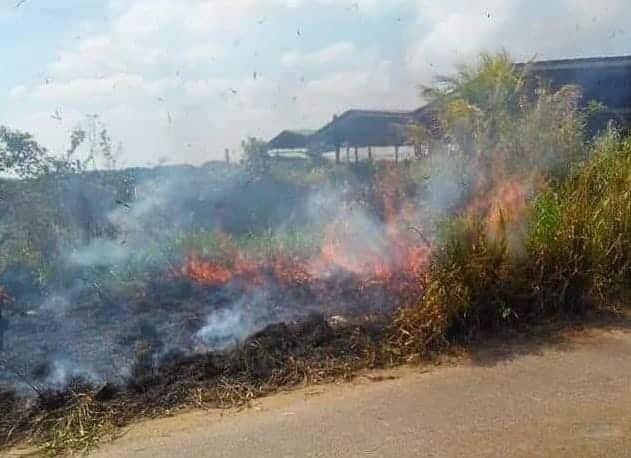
<point>374,82</point>
<point>174,52</point>
<point>201,88</point>
<point>95,91</point>
<point>167,78</point>
<point>146,35</point>
<point>328,55</point>
<point>18,91</point>
<point>455,31</point>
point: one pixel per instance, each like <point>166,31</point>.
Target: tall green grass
<point>581,233</point>
<point>577,256</point>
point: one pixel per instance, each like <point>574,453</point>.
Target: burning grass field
<point>211,292</point>
<point>223,321</point>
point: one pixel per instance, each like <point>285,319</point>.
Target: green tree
<point>77,137</point>
<point>256,159</point>
<point>21,155</point>
<point>106,149</point>
<point>502,124</point>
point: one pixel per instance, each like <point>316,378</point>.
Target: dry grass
<point>279,357</point>
<point>465,290</point>
<point>76,427</point>
<point>565,251</point>
<point>576,257</point>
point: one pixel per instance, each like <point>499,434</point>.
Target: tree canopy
<point>22,156</point>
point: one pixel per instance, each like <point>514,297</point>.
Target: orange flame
<point>506,202</point>
<point>205,271</point>
<point>395,257</point>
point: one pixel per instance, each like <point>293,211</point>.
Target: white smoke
<point>228,326</point>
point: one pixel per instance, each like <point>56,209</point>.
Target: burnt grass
<point>282,355</point>
<point>300,347</point>
<point>317,333</point>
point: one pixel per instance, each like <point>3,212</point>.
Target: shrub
<point>465,289</point>
<point>577,256</point>
<point>531,184</point>
<point>581,234</point>
<point>256,159</point>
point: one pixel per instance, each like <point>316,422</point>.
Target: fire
<point>210,272</point>
<point>504,203</point>
<point>387,252</point>
<point>356,250</point>
<point>394,255</point>
<point>345,249</point>
<point>403,261</point>
<point>390,252</point>
<point>508,204</point>
<point>253,272</point>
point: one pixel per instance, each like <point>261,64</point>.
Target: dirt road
<point>566,399</point>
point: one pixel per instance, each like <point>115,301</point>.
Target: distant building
<point>363,128</point>
<point>603,79</point>
<point>290,141</point>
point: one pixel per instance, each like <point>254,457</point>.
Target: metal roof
<point>604,79</point>
<point>364,128</point>
<point>578,63</point>
<point>290,140</point>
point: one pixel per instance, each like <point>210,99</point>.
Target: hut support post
<point>370,153</point>
<point>337,154</point>
<point>396,153</point>
<point>348,153</point>
<point>356,156</point>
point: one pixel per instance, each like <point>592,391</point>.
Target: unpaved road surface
<point>564,399</point>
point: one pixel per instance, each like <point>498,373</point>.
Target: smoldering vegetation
<point>132,292</point>
<point>207,285</point>
<point>109,265</point>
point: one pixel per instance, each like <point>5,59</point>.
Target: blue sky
<point>184,79</point>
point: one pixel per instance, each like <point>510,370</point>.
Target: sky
<point>178,81</point>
